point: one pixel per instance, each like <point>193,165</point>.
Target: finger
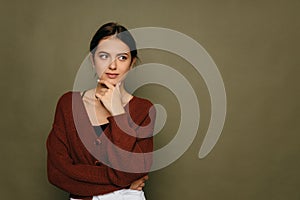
<point>103,90</point>
<point>142,180</point>
<point>134,187</point>
<point>118,85</point>
<point>145,177</point>
<point>99,97</point>
<point>100,89</point>
<point>139,188</point>
<point>101,85</point>
<point>99,94</point>
<point>108,84</point>
<point>142,185</point>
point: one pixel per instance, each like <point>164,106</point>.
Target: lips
<point>112,75</point>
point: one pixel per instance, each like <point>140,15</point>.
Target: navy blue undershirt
<point>99,129</point>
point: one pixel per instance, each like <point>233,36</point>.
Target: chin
<point>113,81</point>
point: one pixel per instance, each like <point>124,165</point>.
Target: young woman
<point>101,141</point>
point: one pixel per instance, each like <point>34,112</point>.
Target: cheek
<point>101,65</point>
<point>125,67</point>
<point>99,70</point>
<point>124,70</point>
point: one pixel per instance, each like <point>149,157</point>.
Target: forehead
<point>112,45</point>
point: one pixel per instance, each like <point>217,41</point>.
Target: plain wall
<point>255,45</point>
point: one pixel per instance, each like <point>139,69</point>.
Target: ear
<point>132,63</point>
<point>92,60</point>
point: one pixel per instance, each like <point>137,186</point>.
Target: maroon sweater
<point>84,164</point>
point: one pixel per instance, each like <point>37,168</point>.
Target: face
<point>112,60</point>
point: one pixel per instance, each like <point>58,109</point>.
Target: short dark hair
<point>121,32</point>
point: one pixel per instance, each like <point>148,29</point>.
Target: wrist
<point>118,111</point>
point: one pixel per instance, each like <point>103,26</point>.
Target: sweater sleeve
<point>130,150</point>
<point>73,186</point>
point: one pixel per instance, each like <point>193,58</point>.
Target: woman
<point>101,141</point>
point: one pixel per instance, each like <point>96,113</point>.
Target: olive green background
<point>255,45</point>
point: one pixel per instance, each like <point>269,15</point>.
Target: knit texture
<point>86,165</point>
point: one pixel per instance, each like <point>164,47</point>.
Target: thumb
<point>118,87</point>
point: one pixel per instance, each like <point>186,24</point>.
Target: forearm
<point>73,186</point>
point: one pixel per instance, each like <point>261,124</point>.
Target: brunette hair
<point>121,33</point>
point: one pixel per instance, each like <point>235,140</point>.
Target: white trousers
<point>124,194</point>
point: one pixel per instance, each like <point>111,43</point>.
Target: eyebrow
<point>118,54</point>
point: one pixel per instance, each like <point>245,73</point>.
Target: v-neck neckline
<point>88,118</point>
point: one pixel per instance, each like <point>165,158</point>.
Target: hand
<point>139,184</point>
<point>110,96</point>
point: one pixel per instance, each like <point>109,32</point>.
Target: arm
<point>131,142</point>
<point>58,157</point>
<point>127,137</point>
<point>73,186</point>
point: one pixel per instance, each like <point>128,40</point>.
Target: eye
<point>122,58</point>
<point>103,56</point>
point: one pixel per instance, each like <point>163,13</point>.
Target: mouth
<point>112,75</point>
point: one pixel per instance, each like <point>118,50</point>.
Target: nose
<point>113,65</point>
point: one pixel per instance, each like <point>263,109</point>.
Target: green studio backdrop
<point>255,45</point>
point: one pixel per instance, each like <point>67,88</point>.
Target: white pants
<point>124,194</point>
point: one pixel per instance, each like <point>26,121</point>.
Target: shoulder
<point>65,99</point>
<point>141,109</point>
<point>142,105</point>
<point>141,102</point>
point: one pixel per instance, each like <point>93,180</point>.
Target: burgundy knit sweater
<point>84,164</point>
